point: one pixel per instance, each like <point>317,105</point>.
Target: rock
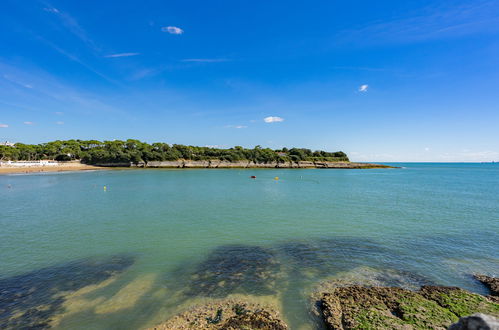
<point>490,282</point>
<point>241,269</point>
<point>477,321</point>
<point>228,315</point>
<point>396,308</point>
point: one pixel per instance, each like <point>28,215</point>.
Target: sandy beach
<point>41,169</point>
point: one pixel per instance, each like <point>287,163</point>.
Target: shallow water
<point>197,234</point>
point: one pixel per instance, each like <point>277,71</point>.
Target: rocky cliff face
<point>249,164</point>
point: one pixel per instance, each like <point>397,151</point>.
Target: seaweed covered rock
<point>492,283</point>
<point>236,269</point>
<point>459,301</point>
<point>432,307</point>
<point>228,315</point>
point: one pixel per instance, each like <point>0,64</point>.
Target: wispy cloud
<point>51,10</point>
<point>363,88</point>
<point>205,60</point>
<point>77,60</point>
<point>59,122</point>
<point>122,55</point>
<point>236,126</point>
<point>28,123</point>
<point>59,113</point>
<point>4,125</point>
<point>273,119</point>
<point>73,26</point>
<point>437,21</point>
<point>172,29</point>
<point>16,81</point>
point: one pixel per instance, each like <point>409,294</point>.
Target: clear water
<point>439,222</point>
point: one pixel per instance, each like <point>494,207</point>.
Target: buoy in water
<point>253,177</point>
<point>276,178</point>
<point>105,188</point>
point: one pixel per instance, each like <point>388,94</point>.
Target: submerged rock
<point>226,314</point>
<point>477,321</point>
<point>369,277</point>
<point>236,269</point>
<point>31,300</point>
<point>433,307</point>
<point>492,283</point>
<point>324,257</point>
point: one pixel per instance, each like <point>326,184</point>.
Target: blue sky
<point>380,80</point>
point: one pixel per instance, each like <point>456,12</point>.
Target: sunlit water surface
<point>175,238</point>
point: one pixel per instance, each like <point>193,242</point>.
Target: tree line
<point>135,151</point>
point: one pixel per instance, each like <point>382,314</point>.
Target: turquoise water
<point>437,222</point>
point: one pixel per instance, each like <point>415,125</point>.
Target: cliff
<point>250,164</point>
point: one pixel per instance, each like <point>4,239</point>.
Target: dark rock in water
<point>227,315</point>
<point>492,283</point>
<point>236,269</point>
<point>395,308</point>
<point>477,321</point>
<point>327,256</point>
<point>30,300</point>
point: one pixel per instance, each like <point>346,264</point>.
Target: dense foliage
<point>95,152</point>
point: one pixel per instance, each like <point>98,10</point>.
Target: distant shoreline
<point>46,169</point>
<point>184,164</point>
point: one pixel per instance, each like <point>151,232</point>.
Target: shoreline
<point>248,164</point>
<point>183,164</point>
<point>5,170</point>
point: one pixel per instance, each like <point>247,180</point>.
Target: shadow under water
<point>235,269</point>
<point>30,300</point>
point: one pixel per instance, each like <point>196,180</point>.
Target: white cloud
<point>273,119</point>
<point>29,123</point>
<point>59,122</point>
<point>236,126</point>
<point>122,55</point>
<point>52,10</point>
<point>205,60</point>
<point>172,30</point>
<point>4,125</point>
<point>363,88</point>
<point>426,149</point>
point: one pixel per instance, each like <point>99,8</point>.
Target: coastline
<point>184,164</point>
<point>248,164</point>
<point>4,170</point>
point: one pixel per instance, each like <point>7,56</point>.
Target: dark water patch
<point>327,256</point>
<point>30,300</point>
<point>236,269</point>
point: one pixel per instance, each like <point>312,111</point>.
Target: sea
<point>128,249</point>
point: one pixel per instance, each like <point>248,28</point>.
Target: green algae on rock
<point>357,307</point>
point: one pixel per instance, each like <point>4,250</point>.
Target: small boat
<point>253,176</point>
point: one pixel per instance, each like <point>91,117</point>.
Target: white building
<point>7,143</point>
